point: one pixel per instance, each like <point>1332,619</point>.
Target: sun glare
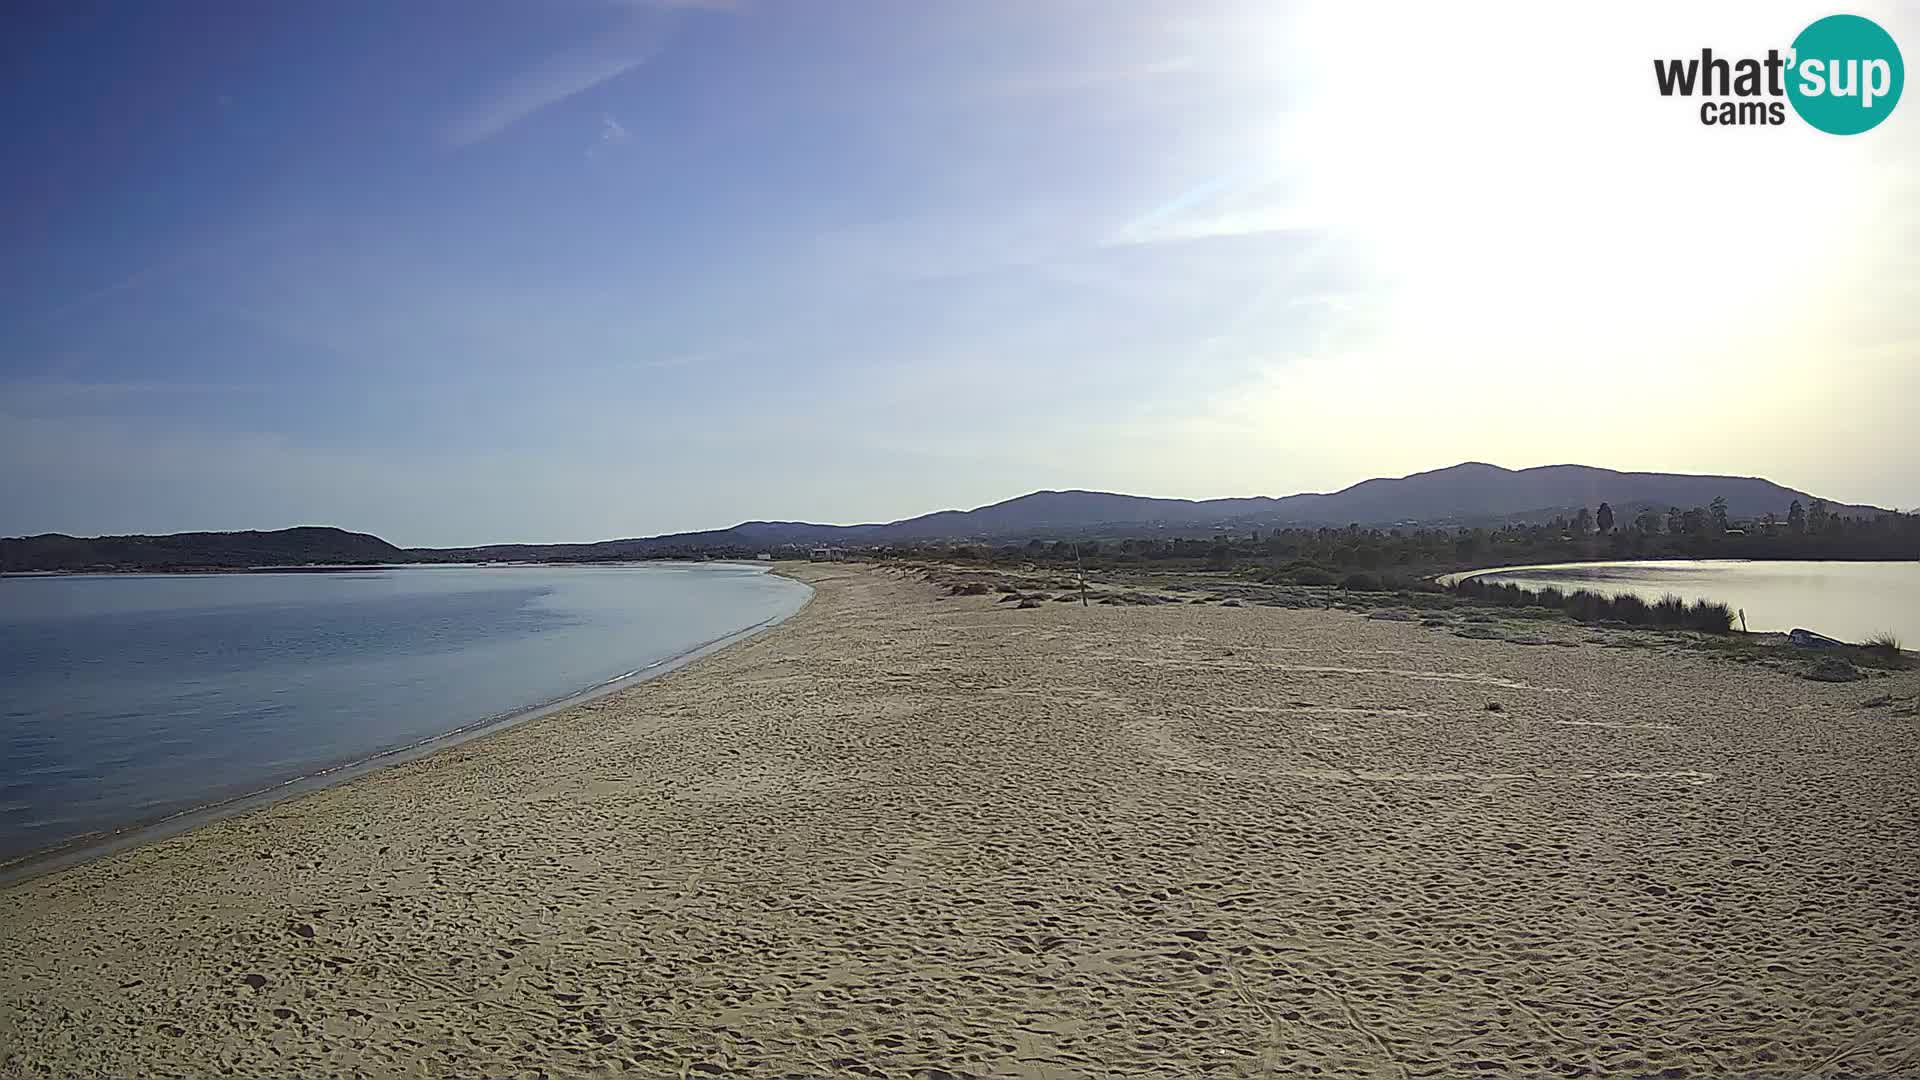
<point>1521,202</point>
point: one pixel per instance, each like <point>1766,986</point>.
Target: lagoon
<point>1848,600</point>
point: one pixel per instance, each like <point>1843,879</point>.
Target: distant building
<point>826,554</point>
<point>764,557</point>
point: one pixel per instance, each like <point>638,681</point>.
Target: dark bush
<point>1711,617</point>
<point>1587,606</point>
<point>1884,643</point>
<point>1361,583</point>
<point>1629,608</point>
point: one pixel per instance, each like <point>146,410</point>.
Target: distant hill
<point>189,551</point>
<point>1476,490</point>
<point>1466,494</point>
<point>1473,493</point>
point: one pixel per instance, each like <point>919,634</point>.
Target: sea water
<point>127,698</point>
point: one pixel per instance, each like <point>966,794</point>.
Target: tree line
<point>1327,555</point>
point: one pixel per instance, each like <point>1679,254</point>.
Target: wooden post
<point>1082,571</point>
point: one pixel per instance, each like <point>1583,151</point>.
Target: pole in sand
<point>1082,571</point>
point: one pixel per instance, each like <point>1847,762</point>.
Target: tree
<point>1648,522</point>
<point>1676,520</point>
<point>1796,518</point>
<point>1583,522</point>
<point>1604,518</point>
<point>1817,516</point>
<point>1719,509</point>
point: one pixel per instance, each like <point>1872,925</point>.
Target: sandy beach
<point>909,835</point>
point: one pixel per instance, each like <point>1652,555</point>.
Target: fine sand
<point>904,835</point>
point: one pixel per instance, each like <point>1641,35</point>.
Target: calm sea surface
<point>125,698</point>
<point>1847,600</point>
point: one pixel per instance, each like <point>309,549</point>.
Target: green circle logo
<point>1846,74</point>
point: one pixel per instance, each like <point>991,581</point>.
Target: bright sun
<point>1525,202</point>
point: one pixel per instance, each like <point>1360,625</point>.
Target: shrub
<point>1711,617</point>
<point>1361,583</point>
<point>1313,575</point>
<point>1510,595</point>
<point>1630,609</point>
<point>1587,606</point>
<point>1884,645</point>
<point>1584,605</point>
<point>1670,611</point>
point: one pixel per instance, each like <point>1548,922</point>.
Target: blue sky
<point>471,272</point>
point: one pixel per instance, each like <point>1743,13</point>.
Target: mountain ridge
<point>1463,493</point>
<point>1472,492</point>
<point>303,545</point>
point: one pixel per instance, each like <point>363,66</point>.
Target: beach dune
<point>913,836</point>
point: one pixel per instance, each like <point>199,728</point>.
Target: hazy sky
<point>464,272</point>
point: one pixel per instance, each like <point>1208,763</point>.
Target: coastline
<point>1462,575</point>
<point>1854,600</point>
<point>347,568</point>
<point>82,849</point>
<point>917,835</point>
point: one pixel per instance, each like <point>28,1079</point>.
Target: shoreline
<point>1854,600</point>
<point>1456,576</point>
<point>923,835</point>
<point>346,568</point>
<point>82,849</point>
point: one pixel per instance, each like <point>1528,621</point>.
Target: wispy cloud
<point>563,75</point>
<point>683,5</point>
<point>32,394</point>
<point>1070,81</point>
<point>672,361</point>
<point>220,242</point>
<point>1252,199</point>
<point>612,134</point>
<point>134,280</point>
